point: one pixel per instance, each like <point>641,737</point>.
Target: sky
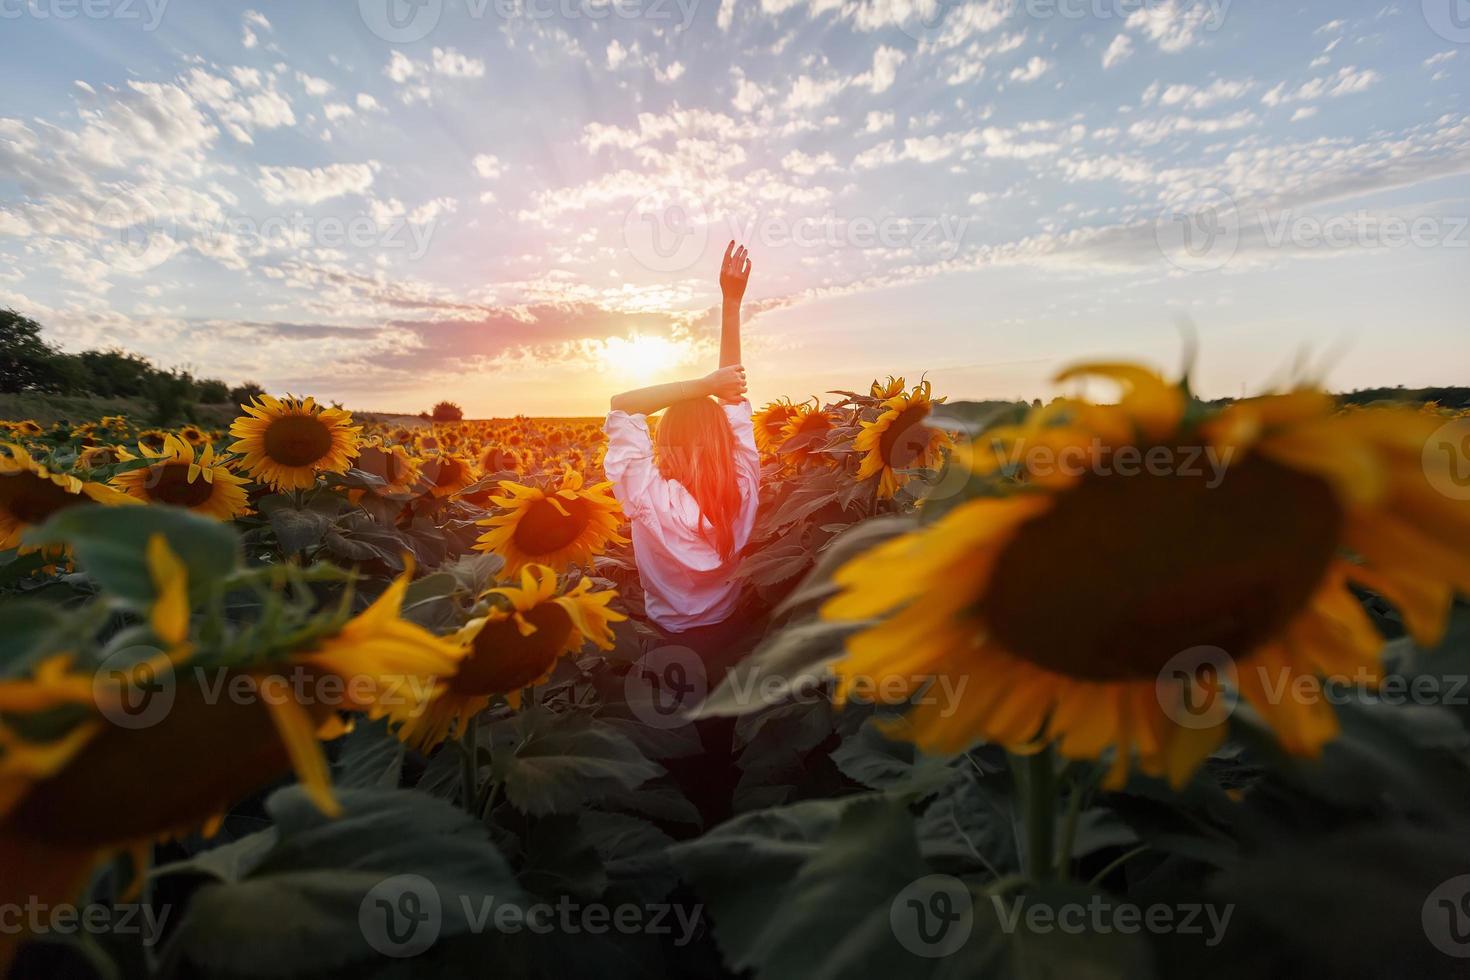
<point>520,205</point>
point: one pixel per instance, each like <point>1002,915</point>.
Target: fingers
<point>729,249</point>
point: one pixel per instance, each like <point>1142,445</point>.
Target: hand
<point>734,273</point>
<point>726,384</point>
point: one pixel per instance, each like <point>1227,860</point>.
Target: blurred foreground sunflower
<point>288,441</point>
<point>30,492</point>
<point>1066,600</point>
<point>77,785</point>
<point>560,528</point>
<point>186,478</point>
<point>513,646</point>
<point>899,439</point>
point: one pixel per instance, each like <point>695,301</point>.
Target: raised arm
<point>734,274</point>
<point>726,384</point>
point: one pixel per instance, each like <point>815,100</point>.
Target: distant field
<point>47,409</point>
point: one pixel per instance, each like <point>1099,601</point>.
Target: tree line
<point>29,364</point>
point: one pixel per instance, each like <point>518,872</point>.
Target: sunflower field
<point>1147,687</point>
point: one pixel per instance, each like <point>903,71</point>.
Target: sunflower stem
<point>1040,784</point>
<point>467,767</point>
<point>1081,790</point>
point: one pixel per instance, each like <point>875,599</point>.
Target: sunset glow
<point>355,206</point>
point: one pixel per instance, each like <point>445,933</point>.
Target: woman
<point>691,492</point>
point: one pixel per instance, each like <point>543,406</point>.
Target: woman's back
<point>688,577</point>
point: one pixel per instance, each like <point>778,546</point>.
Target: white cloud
<point>1173,25</point>
<point>1347,81</point>
<point>1031,71</point>
<point>314,86</point>
<point>488,166</point>
<point>252,20</point>
<point>1118,51</point>
<point>885,69</point>
<point>301,185</point>
<point>1192,97</point>
<point>806,166</point>
<point>878,121</point>
<point>432,210</point>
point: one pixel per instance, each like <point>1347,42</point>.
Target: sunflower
<point>514,646</point>
<point>498,458</point>
<point>892,388</point>
<point>152,438</point>
<point>900,440</point>
<point>558,527</point>
<point>95,456</point>
<point>769,423</point>
<point>72,797</point>
<point>1175,564</point>
<point>198,482</point>
<point>28,428</point>
<point>447,474</point>
<point>392,464</point>
<point>193,435</point>
<point>30,493</point>
<point>808,421</point>
<point>287,441</point>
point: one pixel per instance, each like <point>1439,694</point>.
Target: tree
<point>242,394</point>
<point>213,391</point>
<point>27,363</point>
<point>447,412</point>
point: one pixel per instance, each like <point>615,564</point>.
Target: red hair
<point>695,446</point>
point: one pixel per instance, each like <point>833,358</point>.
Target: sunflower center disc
<point>905,438</point>
<point>503,660</point>
<point>31,499</point>
<point>543,530</point>
<point>297,440</point>
<point>170,485</point>
<point>1126,572</point>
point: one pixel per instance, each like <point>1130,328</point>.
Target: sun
<point>640,357</point>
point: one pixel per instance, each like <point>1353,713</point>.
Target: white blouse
<point>687,584</point>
